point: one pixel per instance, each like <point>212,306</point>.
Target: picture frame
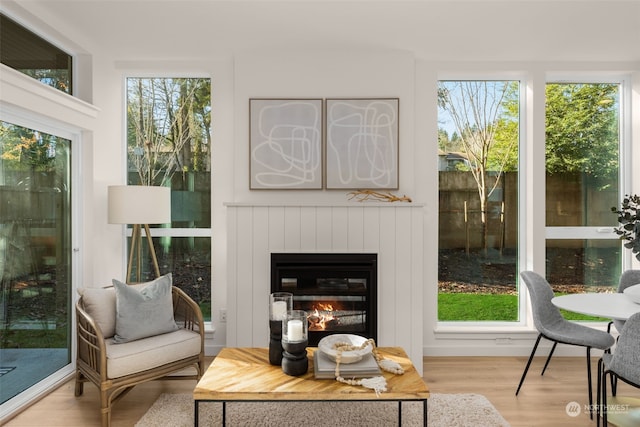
<point>285,143</point>
<point>362,143</point>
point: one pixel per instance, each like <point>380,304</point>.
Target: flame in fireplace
<point>321,315</point>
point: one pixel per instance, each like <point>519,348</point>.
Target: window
<point>168,143</point>
<point>35,261</point>
<point>478,142</point>
<point>478,242</point>
<point>582,184</point>
<point>26,52</point>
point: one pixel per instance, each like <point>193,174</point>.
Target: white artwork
<point>285,143</point>
<point>362,143</point>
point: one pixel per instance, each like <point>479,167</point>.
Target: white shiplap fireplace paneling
<point>392,230</point>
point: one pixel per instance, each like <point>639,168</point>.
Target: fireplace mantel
<point>394,231</point>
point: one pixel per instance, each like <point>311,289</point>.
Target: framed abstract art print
<point>285,139</point>
<point>362,143</point>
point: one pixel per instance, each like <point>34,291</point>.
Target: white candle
<point>279,310</point>
<point>294,328</point>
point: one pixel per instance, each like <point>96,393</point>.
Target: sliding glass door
<point>35,257</point>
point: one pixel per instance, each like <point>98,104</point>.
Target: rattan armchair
<point>116,368</point>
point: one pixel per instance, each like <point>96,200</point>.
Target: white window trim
<point>169,70</point>
<point>445,328</point>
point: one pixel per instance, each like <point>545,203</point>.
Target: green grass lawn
<point>488,307</point>
<point>34,338</point>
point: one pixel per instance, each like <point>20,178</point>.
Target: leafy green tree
<point>443,139</point>
<point>582,129</point>
<point>504,154</point>
<point>25,149</point>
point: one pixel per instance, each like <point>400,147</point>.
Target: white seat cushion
<point>147,353</point>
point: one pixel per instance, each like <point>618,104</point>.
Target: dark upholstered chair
<point>551,325</point>
<point>628,278</point>
<point>623,364</point>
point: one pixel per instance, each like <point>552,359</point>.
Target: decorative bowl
<point>327,346</point>
<point>633,293</point>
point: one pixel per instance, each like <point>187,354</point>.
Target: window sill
<point>477,331</point>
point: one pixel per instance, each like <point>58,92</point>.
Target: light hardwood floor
<point>541,402</point>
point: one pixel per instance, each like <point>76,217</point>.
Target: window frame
<point>27,34</point>
<point>532,233</point>
<point>524,100</point>
<point>162,231</point>
<point>624,156</point>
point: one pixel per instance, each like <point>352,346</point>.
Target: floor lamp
<point>140,206</point>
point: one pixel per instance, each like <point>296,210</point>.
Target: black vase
<point>294,358</point>
<point>275,342</point>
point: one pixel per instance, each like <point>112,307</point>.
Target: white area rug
<point>444,410</point>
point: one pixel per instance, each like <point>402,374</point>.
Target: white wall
<point>318,73</point>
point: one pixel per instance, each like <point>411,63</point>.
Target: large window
<point>478,188</point>
<point>478,142</point>
<point>35,257</point>
<point>28,53</point>
<point>168,144</point>
<point>582,146</point>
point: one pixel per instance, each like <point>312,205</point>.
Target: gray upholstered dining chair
<point>551,325</point>
<point>627,278</point>
<point>622,364</point>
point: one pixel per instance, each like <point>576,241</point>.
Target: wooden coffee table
<point>245,374</point>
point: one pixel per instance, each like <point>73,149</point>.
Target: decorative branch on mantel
<point>379,196</point>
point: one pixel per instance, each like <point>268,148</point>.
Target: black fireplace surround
<point>337,290</point>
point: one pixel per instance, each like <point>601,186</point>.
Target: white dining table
<point>611,306</point>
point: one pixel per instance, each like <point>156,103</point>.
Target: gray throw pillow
<point>144,310</point>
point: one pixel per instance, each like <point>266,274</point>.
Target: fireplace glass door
<point>336,290</point>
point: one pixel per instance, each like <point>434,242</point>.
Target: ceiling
<point>471,30</point>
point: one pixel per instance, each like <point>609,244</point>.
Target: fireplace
<point>337,290</point>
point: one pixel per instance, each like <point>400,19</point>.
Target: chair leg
<point>598,392</point>
<point>589,382</point>
<point>79,389</point>
<point>549,357</point>
<point>105,408</point>
<point>526,369</point>
<point>604,398</point>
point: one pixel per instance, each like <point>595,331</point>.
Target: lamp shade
<point>139,204</point>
